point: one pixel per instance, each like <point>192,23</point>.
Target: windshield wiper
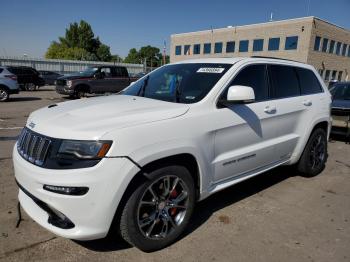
<point>142,90</point>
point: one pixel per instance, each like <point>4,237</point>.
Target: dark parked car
<point>49,76</point>
<point>99,79</point>
<point>27,77</point>
<point>341,108</point>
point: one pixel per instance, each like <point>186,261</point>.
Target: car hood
<point>72,77</point>
<point>91,118</point>
<point>337,103</point>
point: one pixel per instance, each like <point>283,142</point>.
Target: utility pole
<point>164,52</point>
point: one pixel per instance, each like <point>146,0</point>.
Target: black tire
<point>30,87</point>
<point>314,158</point>
<point>79,92</point>
<point>159,214</point>
<point>4,94</point>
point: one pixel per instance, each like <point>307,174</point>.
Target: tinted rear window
<point>284,81</point>
<point>309,83</point>
<point>14,70</point>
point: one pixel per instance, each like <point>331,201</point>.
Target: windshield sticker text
<point>213,70</point>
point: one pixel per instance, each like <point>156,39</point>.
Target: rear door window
<point>309,83</point>
<point>284,81</point>
<point>254,76</point>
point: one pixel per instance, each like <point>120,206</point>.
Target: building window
<point>345,46</point>
<point>317,43</point>
<point>218,47</point>
<point>274,44</point>
<point>187,50</point>
<point>230,47</point>
<point>324,45</point>
<point>338,48</point>
<point>178,50</point>
<point>258,45</point>
<point>334,74</point>
<point>331,47</point>
<point>196,49</point>
<point>291,43</point>
<point>340,74</point>
<point>320,71</point>
<point>327,75</point>
<point>207,48</point>
<point>243,45</point>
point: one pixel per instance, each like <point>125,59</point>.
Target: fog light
<point>64,190</point>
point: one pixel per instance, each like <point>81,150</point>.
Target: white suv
<point>140,160</point>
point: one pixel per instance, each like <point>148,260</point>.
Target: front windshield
<point>88,71</point>
<point>180,83</point>
<point>341,92</point>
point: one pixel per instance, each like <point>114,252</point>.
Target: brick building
<point>309,40</point>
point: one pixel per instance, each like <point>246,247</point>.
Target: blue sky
<point>28,27</point>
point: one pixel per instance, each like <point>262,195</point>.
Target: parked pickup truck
<point>99,79</point>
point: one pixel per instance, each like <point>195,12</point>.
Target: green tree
<point>116,58</point>
<point>79,43</point>
<point>133,57</point>
<point>151,54</point>
<point>103,53</point>
<point>148,53</point>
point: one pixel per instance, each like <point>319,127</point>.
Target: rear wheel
<point>4,94</point>
<point>159,209</point>
<point>30,87</point>
<point>314,157</point>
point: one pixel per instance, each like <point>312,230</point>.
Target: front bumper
<point>91,214</point>
<point>64,90</point>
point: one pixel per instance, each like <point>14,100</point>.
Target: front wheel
<point>79,93</point>
<point>30,87</point>
<point>159,209</point>
<point>314,158</point>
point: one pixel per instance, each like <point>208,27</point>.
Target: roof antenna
<point>271,17</point>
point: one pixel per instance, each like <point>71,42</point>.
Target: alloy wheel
<point>3,95</point>
<point>317,152</point>
<point>162,207</point>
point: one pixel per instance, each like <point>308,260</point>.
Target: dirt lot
<point>278,216</point>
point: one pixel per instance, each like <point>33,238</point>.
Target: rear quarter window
<point>1,70</point>
<point>309,83</point>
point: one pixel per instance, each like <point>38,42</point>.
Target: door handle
<point>307,102</point>
<point>270,109</point>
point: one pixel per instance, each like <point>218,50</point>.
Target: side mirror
<point>240,94</point>
<point>98,75</point>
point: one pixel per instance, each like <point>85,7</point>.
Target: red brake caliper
<point>173,194</point>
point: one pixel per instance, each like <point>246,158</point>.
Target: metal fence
<point>63,66</point>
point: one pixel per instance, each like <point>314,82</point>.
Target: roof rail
<point>270,57</point>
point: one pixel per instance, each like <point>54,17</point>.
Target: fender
<point>300,147</point>
<point>151,153</point>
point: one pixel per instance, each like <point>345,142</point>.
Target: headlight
<point>69,83</point>
<point>84,149</point>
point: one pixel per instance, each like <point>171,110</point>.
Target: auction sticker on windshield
<point>210,70</point>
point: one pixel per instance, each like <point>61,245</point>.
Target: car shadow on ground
<point>22,99</point>
<point>206,208</point>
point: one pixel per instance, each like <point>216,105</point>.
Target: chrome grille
<point>33,147</point>
<point>61,82</point>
